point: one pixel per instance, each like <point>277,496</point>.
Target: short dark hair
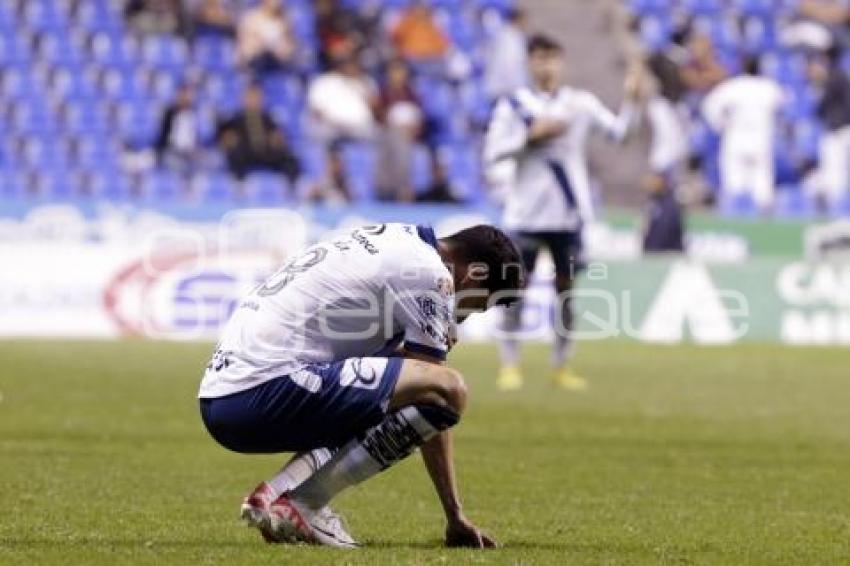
<point>492,247</point>
<point>752,65</point>
<point>542,42</point>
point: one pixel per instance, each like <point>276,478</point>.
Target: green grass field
<point>675,455</point>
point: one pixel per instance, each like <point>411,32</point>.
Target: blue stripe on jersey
<point>427,235</point>
<point>563,181</point>
<point>523,113</point>
<point>417,348</point>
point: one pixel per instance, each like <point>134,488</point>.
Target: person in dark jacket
<point>179,142</point>
<point>252,141</point>
<point>664,231</point>
<point>834,112</point>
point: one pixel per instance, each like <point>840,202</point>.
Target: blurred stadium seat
<point>73,73</point>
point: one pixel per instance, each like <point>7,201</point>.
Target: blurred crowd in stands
<point>326,100</point>
<point>750,105</point>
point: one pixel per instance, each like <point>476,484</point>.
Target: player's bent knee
<point>454,389</point>
<point>438,416</point>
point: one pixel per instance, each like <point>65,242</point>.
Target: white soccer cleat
<point>292,521</point>
<point>255,512</point>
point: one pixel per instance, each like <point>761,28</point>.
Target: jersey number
<point>288,272</point>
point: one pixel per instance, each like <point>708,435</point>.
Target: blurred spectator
<point>829,12</point>
<point>214,17</point>
<point>744,110</point>
<point>264,38</point>
<point>833,178</point>
<point>252,141</point>
<point>663,230</point>
<point>342,104</point>
<point>179,142</point>
<point>156,16</point>
<point>401,116</point>
<point>342,30</point>
<point>666,117</point>
<point>702,70</point>
<point>417,37</point>
<point>506,68</point>
<point>439,191</point>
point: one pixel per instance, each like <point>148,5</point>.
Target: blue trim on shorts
<point>285,415</point>
<point>417,348</point>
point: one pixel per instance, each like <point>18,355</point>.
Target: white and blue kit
<point>550,189</point>
<point>549,199</point>
<point>306,360</point>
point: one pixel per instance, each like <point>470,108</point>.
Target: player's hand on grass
<point>462,533</point>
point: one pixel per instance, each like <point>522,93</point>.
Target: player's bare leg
<point>428,399</point>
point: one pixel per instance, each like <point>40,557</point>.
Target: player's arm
<point>615,126</point>
<point>507,134</point>
<point>428,320</point>
<point>438,455</point>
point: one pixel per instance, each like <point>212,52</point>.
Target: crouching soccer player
<point>339,357</point>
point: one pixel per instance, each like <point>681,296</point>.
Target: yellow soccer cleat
<point>566,379</point>
<point>510,378</point>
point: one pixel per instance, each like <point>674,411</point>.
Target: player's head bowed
<point>487,268</point>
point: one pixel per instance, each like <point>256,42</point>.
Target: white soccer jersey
<point>359,295</point>
<point>551,188</point>
<point>744,110</point>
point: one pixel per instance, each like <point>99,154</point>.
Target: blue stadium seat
<point>738,205</point>
<point>792,202</point>
<point>216,186</point>
<point>644,7</point>
<point>842,206</point>
<point>761,8</point>
<point>113,84</point>
<point>266,188</point>
<point>97,17</point>
<point>359,161</point>
<point>655,31</point>
<point>703,7</point>
<point>115,50</point>
<point>421,176</point>
<point>56,184</point>
<point>161,185</point>
<point>138,122</point>
<point>760,34</point>
<point>801,104</point>
<point>165,52</point>
<point>214,53</point>
<point>43,16</point>
<point>110,184</point>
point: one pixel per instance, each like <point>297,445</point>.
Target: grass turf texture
<point>675,455</point>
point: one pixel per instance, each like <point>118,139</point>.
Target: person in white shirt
<point>744,110</point>
<point>542,130</point>
<point>342,105</point>
<point>339,356</point>
<point>264,38</point>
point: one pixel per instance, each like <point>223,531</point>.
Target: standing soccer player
<point>340,357</point>
<point>543,130</point>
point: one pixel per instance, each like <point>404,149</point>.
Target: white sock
<point>395,438</point>
<point>300,467</point>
